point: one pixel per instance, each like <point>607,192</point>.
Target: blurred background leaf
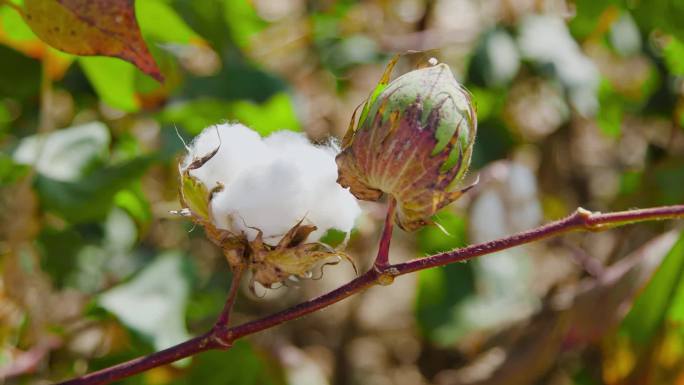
<point>579,103</point>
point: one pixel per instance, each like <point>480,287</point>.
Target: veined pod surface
<point>413,141</point>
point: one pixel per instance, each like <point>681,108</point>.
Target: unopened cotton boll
<point>270,185</point>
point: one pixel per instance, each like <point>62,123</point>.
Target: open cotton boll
<point>270,184</point>
<point>239,148</point>
<point>336,209</point>
<point>269,198</point>
<point>312,160</point>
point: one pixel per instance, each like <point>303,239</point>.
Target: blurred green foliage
<point>590,102</point>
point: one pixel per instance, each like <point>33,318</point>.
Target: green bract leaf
<point>195,196</point>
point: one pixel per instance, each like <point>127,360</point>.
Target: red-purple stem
<point>224,317</point>
<point>219,338</point>
<point>382,259</point>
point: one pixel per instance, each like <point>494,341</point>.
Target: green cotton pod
<point>413,141</point>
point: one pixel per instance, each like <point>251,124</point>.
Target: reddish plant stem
<point>382,259</point>
<point>141,364</point>
<point>581,219</point>
<point>224,317</point>
<point>221,339</point>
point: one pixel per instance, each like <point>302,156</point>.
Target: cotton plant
<point>267,202</point>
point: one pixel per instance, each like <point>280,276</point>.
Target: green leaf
<point>134,202</point>
<point>10,171</point>
<point>242,21</point>
<point>451,235</point>
<point>587,15</point>
<point>240,365</point>
<point>59,249</point>
<point>20,74</point>
<point>651,307</point>
<point>333,237</point>
<point>153,302</point>
<point>665,15</point>
<point>441,290</point>
<point>669,178</point>
<point>90,198</point>
<point>104,28</point>
<point>196,115</point>
<point>674,56</point>
<point>113,80</point>
<point>487,102</point>
<point>12,24</point>
<point>195,195</point>
<point>277,113</point>
<point>630,182</point>
<point>160,21</point>
<point>609,118</point>
<point>67,154</point>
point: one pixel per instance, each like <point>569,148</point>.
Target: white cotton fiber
<point>268,198</point>
<point>239,148</point>
<point>271,184</point>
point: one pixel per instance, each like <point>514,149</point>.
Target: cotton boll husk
<point>239,148</point>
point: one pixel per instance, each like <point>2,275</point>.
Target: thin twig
<point>579,220</point>
<point>224,318</point>
<point>382,259</point>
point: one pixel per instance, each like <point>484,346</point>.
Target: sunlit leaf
<point>113,80</point>
<point>195,195</point>
<point>277,113</point>
<point>609,117</point>
<point>133,201</point>
<point>598,304</point>
<point>651,307</point>
<point>159,21</point>
<point>15,33</point>
<point>242,21</point>
<point>674,56</point>
<point>333,237</point>
<point>588,16</point>
<point>83,27</point>
<point>616,291</point>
